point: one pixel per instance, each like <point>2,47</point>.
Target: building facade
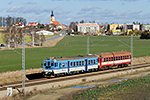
<point>145,27</point>
<point>92,28</point>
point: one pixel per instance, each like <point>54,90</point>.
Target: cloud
<point>10,2</point>
<point>88,9</point>
<point>15,9</point>
<point>30,2</point>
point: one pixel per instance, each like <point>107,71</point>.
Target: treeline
<point>145,35</point>
<point>8,21</point>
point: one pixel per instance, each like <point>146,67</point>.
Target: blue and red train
<point>66,65</point>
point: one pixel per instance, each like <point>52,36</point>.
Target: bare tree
<point>1,21</point>
<point>8,21</point>
<point>13,36</point>
<point>4,21</point>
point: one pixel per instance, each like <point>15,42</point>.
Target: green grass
<point>29,39</point>
<point>1,40</point>
<point>71,46</point>
<point>137,89</point>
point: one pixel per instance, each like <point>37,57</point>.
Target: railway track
<point>28,83</point>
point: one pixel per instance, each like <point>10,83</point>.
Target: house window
<point>80,29</point>
<point>95,30</point>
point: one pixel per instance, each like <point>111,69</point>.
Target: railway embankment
<point>75,80</point>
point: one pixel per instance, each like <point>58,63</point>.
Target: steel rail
<point>28,83</point>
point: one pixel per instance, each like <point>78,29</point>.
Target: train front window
<point>44,63</point>
<point>49,64</point>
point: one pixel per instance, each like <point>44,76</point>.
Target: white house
<point>88,27</point>
<point>44,32</point>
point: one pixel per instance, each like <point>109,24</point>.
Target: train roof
<point>111,54</point>
<point>77,57</point>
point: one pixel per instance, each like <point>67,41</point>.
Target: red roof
<point>32,24</point>
<point>55,22</point>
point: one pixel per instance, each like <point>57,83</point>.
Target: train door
<point>100,62</point>
<point>86,65</point>
<point>68,66</point>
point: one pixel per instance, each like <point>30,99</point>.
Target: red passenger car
<point>114,59</point>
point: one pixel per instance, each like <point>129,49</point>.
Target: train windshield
<point>48,64</point>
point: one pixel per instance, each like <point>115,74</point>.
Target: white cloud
<point>88,9</point>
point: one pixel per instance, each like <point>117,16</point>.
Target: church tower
<point>52,18</point>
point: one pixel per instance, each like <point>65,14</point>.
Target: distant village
<point>84,28</point>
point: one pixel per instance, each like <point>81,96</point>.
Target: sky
<point>66,11</point>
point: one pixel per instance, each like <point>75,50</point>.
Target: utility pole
<point>23,63</point>
<point>33,39</point>
<point>131,52</point>
<point>87,45</point>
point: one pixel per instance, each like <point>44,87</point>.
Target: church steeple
<point>52,14</point>
<point>52,18</point>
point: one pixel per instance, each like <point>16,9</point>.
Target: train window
<point>80,63</point>
<point>89,61</point>
<point>128,57</point>
<point>94,61</point>
<point>52,63</point>
<point>109,59</point>
<point>123,57</point>
<point>119,58</point>
<point>104,59</point>
<point>114,58</point>
<point>49,63</point>
<point>56,64</point>
<point>59,64</point>
<point>63,64</point>
<point>74,64</point>
<point>71,64</point>
<point>44,63</point>
<point>77,63</point>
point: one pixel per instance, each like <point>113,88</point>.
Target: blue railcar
<point>67,65</point>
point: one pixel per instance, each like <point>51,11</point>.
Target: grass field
<point>71,46</point>
<point>138,89</point>
<point>1,40</point>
